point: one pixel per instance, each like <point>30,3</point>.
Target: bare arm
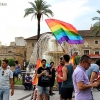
<point>82,86</point>
<point>93,76</point>
<point>12,86</point>
<point>49,75</point>
<point>19,66</point>
<point>39,75</point>
<point>74,66</point>
<point>64,71</point>
<point>26,81</point>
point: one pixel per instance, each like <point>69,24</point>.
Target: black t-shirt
<point>53,73</point>
<point>44,80</point>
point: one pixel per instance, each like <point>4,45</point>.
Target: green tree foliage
<point>38,9</point>
<point>27,62</point>
<point>96,27</point>
<point>11,62</point>
<point>77,60</point>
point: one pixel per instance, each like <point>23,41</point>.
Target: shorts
<point>66,93</point>
<point>43,90</point>
<point>59,86</point>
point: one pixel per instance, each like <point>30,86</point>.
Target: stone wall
<point>13,52</point>
<point>30,47</point>
<point>89,44</point>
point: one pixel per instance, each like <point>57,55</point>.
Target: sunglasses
<point>2,73</point>
<point>88,63</point>
<point>61,58</point>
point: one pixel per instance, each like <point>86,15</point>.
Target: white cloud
<point>12,23</point>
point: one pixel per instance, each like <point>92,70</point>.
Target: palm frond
<point>33,5</point>
<point>96,18</point>
<point>38,9</point>
<point>96,33</point>
<point>98,11</point>
<point>47,12</point>
<point>95,30</point>
<point>28,11</point>
<point>96,27</point>
<point>96,24</point>
<point>33,16</point>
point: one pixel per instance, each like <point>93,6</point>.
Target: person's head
<point>43,61</point>
<point>16,62</point>
<point>4,63</point>
<point>66,58</point>
<point>61,61</point>
<point>51,64</point>
<point>28,74</point>
<point>85,61</point>
<point>98,62</point>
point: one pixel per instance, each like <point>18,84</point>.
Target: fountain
<point>48,48</point>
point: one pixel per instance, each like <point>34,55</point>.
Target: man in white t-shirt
<point>6,79</point>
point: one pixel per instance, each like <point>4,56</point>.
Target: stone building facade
<point>13,52</point>
<point>16,50</point>
<point>90,46</point>
<point>31,41</point>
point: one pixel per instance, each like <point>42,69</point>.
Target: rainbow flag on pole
<point>64,31</point>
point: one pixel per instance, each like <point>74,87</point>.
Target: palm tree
<point>38,9</point>
<point>96,27</point>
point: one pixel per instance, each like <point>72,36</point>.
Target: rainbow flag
<point>73,59</point>
<point>64,32</point>
<point>35,81</point>
<point>38,64</point>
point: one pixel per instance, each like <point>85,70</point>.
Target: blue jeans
<point>43,90</point>
<point>59,85</point>
<point>4,94</point>
<point>28,86</point>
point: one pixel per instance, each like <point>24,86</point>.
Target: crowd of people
<point>67,77</point>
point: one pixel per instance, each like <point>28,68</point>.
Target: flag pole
<point>63,49</point>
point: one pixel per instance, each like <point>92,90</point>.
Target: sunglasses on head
<point>61,58</point>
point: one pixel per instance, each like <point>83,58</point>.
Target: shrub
<point>11,62</point>
<point>77,60</point>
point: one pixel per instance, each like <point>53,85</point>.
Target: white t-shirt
<point>5,76</point>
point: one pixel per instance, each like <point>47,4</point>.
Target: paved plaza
<point>19,94</point>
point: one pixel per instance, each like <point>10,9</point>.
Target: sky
<point>79,13</point>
